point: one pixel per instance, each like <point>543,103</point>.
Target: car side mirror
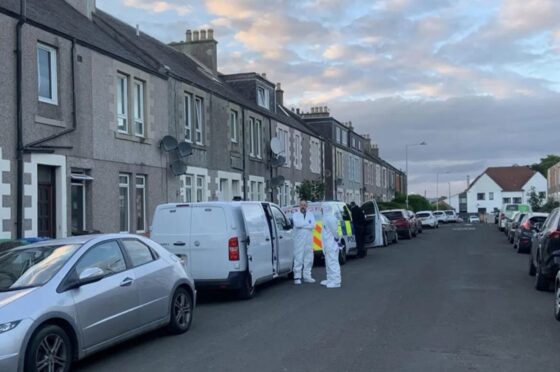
<point>90,275</point>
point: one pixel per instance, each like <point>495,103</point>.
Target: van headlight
<point>5,327</point>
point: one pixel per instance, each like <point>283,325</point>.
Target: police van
<point>228,245</point>
<point>345,228</point>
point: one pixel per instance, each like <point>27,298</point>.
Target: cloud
<point>159,6</point>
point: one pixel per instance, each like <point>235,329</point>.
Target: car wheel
<point>541,282</point>
<point>50,349</point>
<point>532,269</point>
<point>557,301</point>
<point>385,240</point>
<point>247,291</point>
<point>180,318</point>
<point>342,255</point>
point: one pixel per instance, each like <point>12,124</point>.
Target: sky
<point>477,80</point>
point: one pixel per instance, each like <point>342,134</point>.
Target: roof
<point>508,178</point>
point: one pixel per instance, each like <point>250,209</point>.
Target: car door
<point>347,228</point>
<point>551,225</point>
<point>152,280</point>
<point>258,242</point>
<point>285,240</point>
<point>107,308</point>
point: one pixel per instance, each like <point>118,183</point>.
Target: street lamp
<point>437,188</point>
<point>423,143</point>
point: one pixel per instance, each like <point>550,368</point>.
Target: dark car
<point>515,222</point>
<point>524,233</point>
<point>545,252</point>
<point>404,221</point>
<point>390,234</point>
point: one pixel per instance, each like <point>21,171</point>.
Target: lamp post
<point>437,188</point>
<point>423,143</point>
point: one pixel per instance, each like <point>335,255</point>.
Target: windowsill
<point>48,101</point>
<point>256,159</point>
<point>133,138</point>
<point>52,122</point>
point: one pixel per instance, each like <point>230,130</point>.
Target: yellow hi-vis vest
<point>344,229</point>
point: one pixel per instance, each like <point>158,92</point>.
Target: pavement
<point>453,299</point>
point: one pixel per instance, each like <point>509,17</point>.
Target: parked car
<point>374,229</point>
<point>557,297</point>
<point>473,218</point>
<point>440,216</point>
<point>405,223</point>
<point>344,218</point>
<point>507,212</point>
<point>545,252</point>
<point>418,222</point>
<point>390,234</point>
<point>524,232</point>
<point>514,224</point>
<point>428,219</point>
<point>65,299</point>
<point>451,216</point>
<point>229,245</point>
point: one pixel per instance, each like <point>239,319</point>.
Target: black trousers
<point>360,232</point>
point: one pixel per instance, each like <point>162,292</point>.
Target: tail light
<point>554,234</point>
<point>527,225</point>
<point>401,221</point>
<point>233,249</point>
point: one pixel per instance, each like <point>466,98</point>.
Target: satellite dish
<point>184,149</point>
<point>178,168</point>
<point>277,181</point>
<point>278,161</point>
<point>275,146</point>
<point>168,143</point>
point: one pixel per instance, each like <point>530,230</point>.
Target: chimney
<point>201,46</point>
<point>263,75</point>
<point>279,94</point>
<point>350,125</point>
<point>86,7</point>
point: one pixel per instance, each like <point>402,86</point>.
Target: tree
<point>415,202</point>
<point>549,205</point>
<point>535,201</point>
<point>545,163</point>
<point>311,190</point>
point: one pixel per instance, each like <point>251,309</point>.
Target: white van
<point>344,217</point>
<point>229,245</point>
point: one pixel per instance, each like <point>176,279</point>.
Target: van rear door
<point>258,242</point>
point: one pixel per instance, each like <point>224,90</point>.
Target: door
<point>259,247</point>
<point>209,243</point>
<point>171,229</point>
<point>107,308</point>
<point>347,228</point>
<point>46,202</point>
<point>152,280</point>
<point>285,240</point>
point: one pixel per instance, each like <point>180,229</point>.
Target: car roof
<point>78,240</point>
<point>424,212</point>
<point>394,210</point>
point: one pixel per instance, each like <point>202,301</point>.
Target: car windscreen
<point>393,215</point>
<point>31,267</point>
<point>438,213</point>
<point>422,215</point>
<point>449,213</point>
<point>539,219</point>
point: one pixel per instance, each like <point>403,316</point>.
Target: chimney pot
<point>278,86</point>
<point>202,34</point>
<point>196,36</point>
<point>325,109</point>
<point>210,34</point>
<point>189,36</point>
<point>263,75</point>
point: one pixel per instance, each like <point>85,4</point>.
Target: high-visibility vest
<point>343,229</point>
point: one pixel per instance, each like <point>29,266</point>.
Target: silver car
<point>61,300</point>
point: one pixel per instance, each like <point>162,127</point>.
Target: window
<point>297,150</point>
<point>506,200</point>
<point>480,196</point>
<point>188,118</point>
<point>339,165</point>
<point>284,138</point>
<point>516,200</point>
<point>138,252</point>
<point>252,136</point>
<point>344,138</point>
<point>200,181</point>
<point>280,219</point>
<point>354,143</point>
<point>284,195</point>
<point>378,175</point>
<point>78,200</point>
<point>139,108</point>
<point>198,120</point>
<point>124,202</point>
<point>233,125</point>
<point>122,103</point>
<point>140,204</point>
<point>360,145</point>
<point>260,190</point>
<point>105,256</point>
<point>263,97</point>
<point>47,74</point>
<point>254,191</point>
<point>315,152</point>
<point>255,137</point>
<point>188,187</point>
<point>338,135</point>
<point>235,188</point>
<point>491,196</point>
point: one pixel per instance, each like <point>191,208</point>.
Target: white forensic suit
<point>330,250</point>
<point>303,248</point>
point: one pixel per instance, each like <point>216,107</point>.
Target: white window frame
<point>258,135</point>
<point>188,198</point>
<point>252,136</point>
<point>141,186</point>
<point>233,119</point>
<point>53,74</point>
<point>263,97</point>
<point>125,185</point>
<point>83,191</point>
<point>188,118</point>
<point>200,188</point>
<point>139,88</point>
<point>297,150</point>
<point>199,120</point>
<point>338,135</point>
<point>122,102</point>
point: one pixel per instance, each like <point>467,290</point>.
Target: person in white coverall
<point>304,223</point>
<point>330,250</point>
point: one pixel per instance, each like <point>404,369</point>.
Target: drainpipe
<point>270,161</point>
<point>19,125</point>
<point>243,153</point>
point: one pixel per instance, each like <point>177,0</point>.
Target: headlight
<point>5,327</point>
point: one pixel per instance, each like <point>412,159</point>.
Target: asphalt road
<point>450,300</point>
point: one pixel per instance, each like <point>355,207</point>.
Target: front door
<point>46,202</point>
<point>259,245</point>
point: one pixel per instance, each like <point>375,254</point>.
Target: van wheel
<point>50,349</point>
<point>247,291</point>
<point>180,318</point>
<point>342,255</point>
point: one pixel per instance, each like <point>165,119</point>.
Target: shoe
<point>332,285</point>
<point>324,282</point>
<point>308,280</point>
<point>297,282</point>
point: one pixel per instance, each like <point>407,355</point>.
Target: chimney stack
<point>279,94</point>
<point>189,36</point>
<point>196,35</point>
<point>86,7</point>
<point>201,46</point>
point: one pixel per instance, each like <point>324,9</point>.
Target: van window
<point>281,221</point>
<point>208,220</point>
<point>346,216</point>
<point>368,208</point>
<point>169,220</point>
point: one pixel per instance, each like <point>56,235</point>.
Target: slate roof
<point>510,179</point>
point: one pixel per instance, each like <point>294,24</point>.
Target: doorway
<point>46,203</point>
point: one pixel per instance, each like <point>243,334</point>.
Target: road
<point>450,300</point>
